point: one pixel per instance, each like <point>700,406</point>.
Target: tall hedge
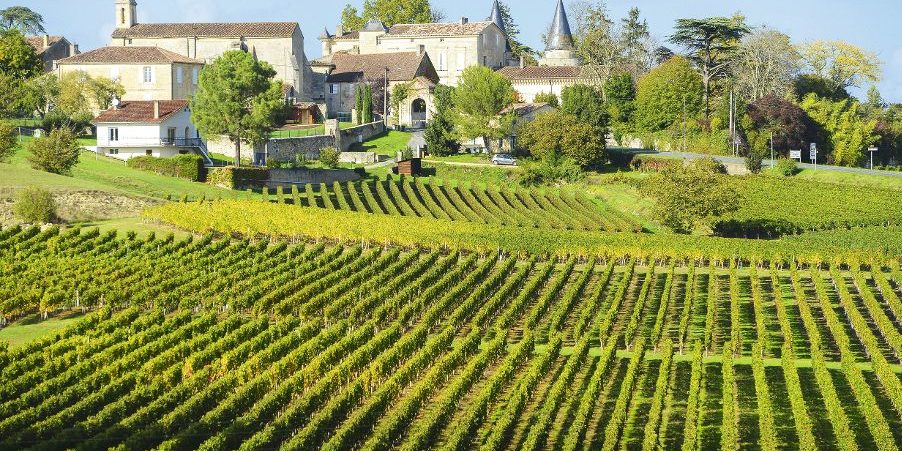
<point>236,178</point>
<point>189,167</point>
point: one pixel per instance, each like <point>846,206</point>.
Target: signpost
<point>872,150</point>
<point>813,153</point>
<point>796,155</point>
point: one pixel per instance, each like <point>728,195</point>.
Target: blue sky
<point>872,24</point>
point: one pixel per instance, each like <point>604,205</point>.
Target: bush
<point>547,97</point>
<point>57,119</point>
<point>753,161</point>
<point>551,170</point>
<point>687,197</point>
<point>56,153</point>
<point>189,167</point>
<point>329,157</point>
<point>711,165</point>
<point>9,138</point>
<point>786,167</point>
<point>35,205</point>
<point>565,135</point>
<point>238,178</point>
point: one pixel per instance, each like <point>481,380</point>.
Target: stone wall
<point>358,157</point>
<point>303,176</point>
<point>360,133</point>
<point>286,149</point>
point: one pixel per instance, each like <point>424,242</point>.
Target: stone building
<point>146,73</point>
<point>51,49</point>
<point>281,44</point>
<point>452,47</point>
<point>558,68</point>
<point>344,72</point>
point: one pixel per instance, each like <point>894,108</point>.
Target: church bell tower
<point>126,13</point>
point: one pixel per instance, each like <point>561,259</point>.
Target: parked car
<point>504,159</point>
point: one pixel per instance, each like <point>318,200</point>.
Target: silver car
<point>504,159</point>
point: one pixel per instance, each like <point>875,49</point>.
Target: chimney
<point>156,109</point>
<point>73,49</point>
<point>46,41</point>
<point>522,62</point>
<point>339,31</point>
<point>464,21</point>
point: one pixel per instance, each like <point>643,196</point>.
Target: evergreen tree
<point>439,133</point>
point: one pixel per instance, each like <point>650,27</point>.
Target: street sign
<point>812,153</point>
<point>795,154</point>
<point>872,150</point>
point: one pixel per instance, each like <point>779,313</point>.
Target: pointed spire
<point>498,19</point>
<point>325,34</point>
<point>560,37</point>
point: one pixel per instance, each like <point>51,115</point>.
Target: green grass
<point>477,158</point>
<point>33,328</point>
<point>388,143</point>
<point>851,178</point>
<point>481,176</point>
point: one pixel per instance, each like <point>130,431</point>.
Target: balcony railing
<point>151,142</point>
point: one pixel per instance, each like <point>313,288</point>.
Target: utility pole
<point>732,128</point>
<point>771,150</point>
<point>385,100</point>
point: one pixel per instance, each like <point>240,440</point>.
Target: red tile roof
<point>129,55</point>
<point>38,42</point>
<point>208,30</point>
<point>136,111</point>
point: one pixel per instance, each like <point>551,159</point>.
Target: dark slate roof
<point>498,20</point>
<point>129,55</point>
<point>541,72</point>
<point>140,111</point>
<point>560,37</point>
<point>402,66</point>
<point>374,25</point>
<point>37,42</point>
<point>209,30</point>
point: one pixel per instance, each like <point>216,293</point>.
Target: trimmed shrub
<point>35,205</point>
<point>56,153</point>
<point>329,157</point>
<point>711,165</point>
<point>238,178</point>
<point>189,167</point>
<point>786,167</point>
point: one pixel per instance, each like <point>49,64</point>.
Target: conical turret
<point>498,19</point>
<point>560,37</point>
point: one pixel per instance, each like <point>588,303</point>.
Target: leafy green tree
<point>596,41</point>
<point>56,153</point>
<point>366,113</point>
<point>17,58</point>
<point>9,139</point>
<point>766,64</point>
<point>22,19</point>
<point>237,97</point>
<point>479,98</point>
<point>565,135</point>
<point>636,44</point>
<point>358,103</point>
<point>690,196</point>
<point>848,133</point>
<point>547,97</point>
<point>586,103</point>
<point>35,205</point>
<point>620,93</point>
<point>813,84</point>
<point>392,12</point>
<point>711,43</point>
<point>841,63</point>
<point>350,19</point>
<point>439,134</point>
<point>667,95</point>
<point>40,93</point>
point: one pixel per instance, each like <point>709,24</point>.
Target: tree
<point>711,44</point>
<point>9,139</point>
<point>790,125</point>
<point>17,58</point>
<point>596,40</point>
<point>237,97</point>
<point>35,205</point>
<point>350,19</point>
<point>848,133</point>
<point>636,43</point>
<point>479,98</point>
<point>670,94</point>
<point>358,103</point>
<point>40,94</point>
<point>22,19</point>
<point>518,49</point>
<point>547,97</point>
<point>79,93</point>
<point>392,12</point>
<point>841,63</point>
<point>813,84</point>
<point>620,93</point>
<point>56,153</point>
<point>565,135</point>
<point>439,133</point>
<point>766,64</point>
<point>585,102</point>
<point>689,196</point>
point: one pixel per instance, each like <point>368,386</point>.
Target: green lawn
<point>32,328</point>
<point>851,178</point>
<point>478,158</point>
<point>388,143</point>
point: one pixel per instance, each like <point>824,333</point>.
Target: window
<point>443,61</point>
<point>113,152</point>
<point>194,75</point>
<point>485,61</point>
<point>461,61</point>
<point>147,74</point>
<point>422,49</point>
<point>333,88</point>
<point>498,40</point>
<point>170,135</point>
<point>178,75</point>
<point>113,134</point>
<point>148,152</point>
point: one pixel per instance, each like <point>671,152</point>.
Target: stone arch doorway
<point>418,113</point>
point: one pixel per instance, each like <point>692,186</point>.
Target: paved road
<point>740,160</point>
<point>470,165</point>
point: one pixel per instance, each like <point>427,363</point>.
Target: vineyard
<point>457,202</point>
<point>218,343</point>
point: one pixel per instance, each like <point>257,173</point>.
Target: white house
<point>158,128</point>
